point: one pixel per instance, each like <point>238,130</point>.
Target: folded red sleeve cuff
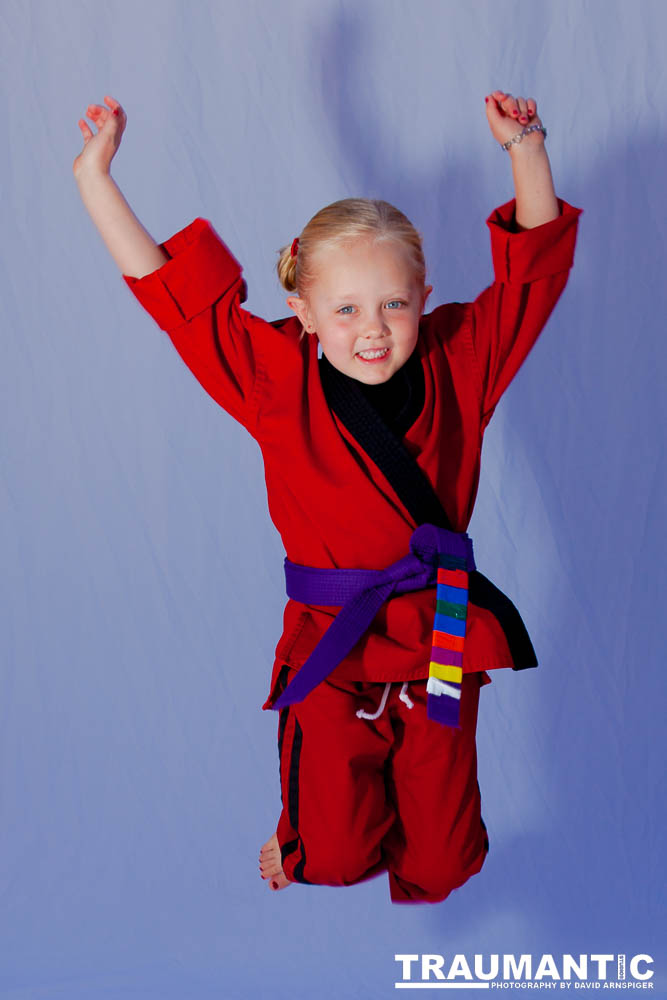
<point>199,271</point>
<point>531,254</point>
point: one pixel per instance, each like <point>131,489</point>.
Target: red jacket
<point>330,503</point>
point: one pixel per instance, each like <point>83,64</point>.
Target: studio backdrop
<point>143,587</point>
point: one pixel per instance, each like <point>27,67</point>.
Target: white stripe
<point>436,686</point>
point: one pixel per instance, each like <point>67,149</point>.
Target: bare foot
<point>270,865</point>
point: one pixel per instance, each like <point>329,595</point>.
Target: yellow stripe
<point>445,671</point>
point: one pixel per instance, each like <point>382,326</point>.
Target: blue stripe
<point>457,595</point>
<point>455,626</point>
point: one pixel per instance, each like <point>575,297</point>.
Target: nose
<point>376,326</point>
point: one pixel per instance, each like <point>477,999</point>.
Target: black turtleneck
<point>400,399</point>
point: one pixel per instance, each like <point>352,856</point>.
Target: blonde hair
<point>340,222</point>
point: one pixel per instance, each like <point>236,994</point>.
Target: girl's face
<point>365,296</point>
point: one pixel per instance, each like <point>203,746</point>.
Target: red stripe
<point>447,641</point>
<point>453,577</point>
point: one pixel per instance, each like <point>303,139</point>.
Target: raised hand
<point>100,147</point>
<point>508,115</point>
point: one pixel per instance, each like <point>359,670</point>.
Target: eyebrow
<point>354,295</point>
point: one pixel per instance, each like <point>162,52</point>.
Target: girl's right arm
<point>133,249</point>
<point>191,285</point>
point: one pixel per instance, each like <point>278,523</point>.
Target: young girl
<point>372,456</point>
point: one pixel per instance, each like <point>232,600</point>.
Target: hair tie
<point>295,246</point>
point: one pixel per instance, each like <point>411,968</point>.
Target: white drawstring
<point>404,696</point>
<point>365,715</point>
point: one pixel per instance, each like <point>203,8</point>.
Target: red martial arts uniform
<point>398,792</point>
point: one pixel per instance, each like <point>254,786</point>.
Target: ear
<point>300,307</point>
<point>427,291</point>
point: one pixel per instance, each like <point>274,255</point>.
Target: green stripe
<point>453,610</point>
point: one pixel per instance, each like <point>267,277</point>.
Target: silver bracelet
<point>520,135</point>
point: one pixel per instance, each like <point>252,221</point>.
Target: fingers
<point>114,105</point>
<point>96,111</point>
<point>498,97</point>
<point>99,115</point>
<point>87,134</point>
<point>522,109</point>
<point>510,106</point>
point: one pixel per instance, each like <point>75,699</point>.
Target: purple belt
<point>437,557</point>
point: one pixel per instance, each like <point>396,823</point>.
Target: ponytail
<point>286,268</point>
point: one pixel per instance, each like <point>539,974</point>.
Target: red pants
<point>396,794</point>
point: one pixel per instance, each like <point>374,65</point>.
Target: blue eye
<point>395,302</point>
<point>342,310</point>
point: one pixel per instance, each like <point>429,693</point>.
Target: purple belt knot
<point>360,593</point>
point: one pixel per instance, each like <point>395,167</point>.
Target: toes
<point>270,848</point>
<point>271,844</point>
<point>271,865</point>
<point>268,871</point>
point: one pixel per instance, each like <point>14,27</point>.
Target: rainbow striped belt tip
<point>449,628</point>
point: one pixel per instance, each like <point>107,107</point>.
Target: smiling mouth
<point>373,355</point>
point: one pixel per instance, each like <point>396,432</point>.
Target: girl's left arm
<point>533,184</point>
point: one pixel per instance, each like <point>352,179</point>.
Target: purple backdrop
<point>138,773</point>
